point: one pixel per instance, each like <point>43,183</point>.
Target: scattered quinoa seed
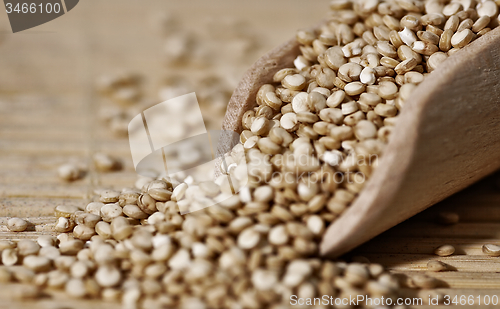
<point>491,250</point>
<point>17,225</point>
<point>444,250</point>
<point>435,265</point>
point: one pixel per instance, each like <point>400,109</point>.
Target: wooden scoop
<point>447,137</point>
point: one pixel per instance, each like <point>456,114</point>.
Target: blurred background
<point>192,45</point>
<point>68,89</point>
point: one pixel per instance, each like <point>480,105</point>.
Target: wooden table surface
<point>47,117</point>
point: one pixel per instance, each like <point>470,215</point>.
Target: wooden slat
<point>47,147</point>
<point>22,120</point>
<point>78,189</point>
<point>39,206</point>
<point>482,210</point>
<point>52,300</point>
<point>31,176</point>
<point>463,263</point>
<point>417,245</point>
<point>463,279</point>
<point>22,162</point>
<point>41,134</point>
<point>462,230</point>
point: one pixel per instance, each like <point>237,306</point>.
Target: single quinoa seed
<point>434,265</point>
<point>70,172</point>
<point>17,225</point>
<point>444,250</point>
<point>425,282</point>
<point>491,250</point>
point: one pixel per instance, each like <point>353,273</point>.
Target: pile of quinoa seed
<point>315,133</point>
